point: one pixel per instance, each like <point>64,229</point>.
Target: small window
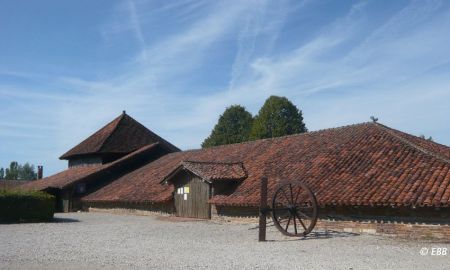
<point>183,190</point>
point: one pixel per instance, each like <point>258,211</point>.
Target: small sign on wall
<point>186,190</point>
<point>185,196</point>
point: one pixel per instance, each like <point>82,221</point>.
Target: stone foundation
<point>146,209</point>
<point>359,222</point>
<point>127,211</point>
<point>234,214</point>
<point>403,230</point>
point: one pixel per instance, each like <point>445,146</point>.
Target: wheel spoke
<point>287,198</point>
<point>289,221</point>
<point>304,215</point>
<point>301,222</point>
<point>295,225</point>
<point>292,195</point>
<point>298,193</point>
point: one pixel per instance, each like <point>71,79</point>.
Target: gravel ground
<point>106,241</point>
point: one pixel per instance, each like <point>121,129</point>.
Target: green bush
<point>26,206</point>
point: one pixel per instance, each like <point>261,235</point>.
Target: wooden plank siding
<point>196,204</point>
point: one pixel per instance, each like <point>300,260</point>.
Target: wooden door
<point>191,199</point>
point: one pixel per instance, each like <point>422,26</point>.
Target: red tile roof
<point>363,164</point>
<point>213,171</point>
<point>431,147</point>
<point>79,173</point>
<point>122,135</point>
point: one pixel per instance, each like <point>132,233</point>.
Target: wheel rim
<point>294,209</point>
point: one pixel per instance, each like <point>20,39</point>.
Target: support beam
<point>263,210</point>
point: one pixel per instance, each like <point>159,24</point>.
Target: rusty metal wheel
<point>294,209</point>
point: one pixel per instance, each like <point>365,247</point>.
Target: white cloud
<point>382,73</point>
<point>136,26</point>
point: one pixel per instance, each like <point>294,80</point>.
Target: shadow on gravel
<point>54,220</point>
<point>318,236</point>
<point>312,236</point>
<point>64,220</point>
<point>180,219</point>
<point>328,234</point>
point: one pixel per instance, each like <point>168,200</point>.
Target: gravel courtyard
<point>107,241</point>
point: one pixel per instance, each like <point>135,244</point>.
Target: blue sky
<point>69,67</point>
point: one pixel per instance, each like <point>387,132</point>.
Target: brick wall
<point>404,230</point>
<point>434,224</point>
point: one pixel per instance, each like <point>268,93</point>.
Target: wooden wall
<point>191,196</point>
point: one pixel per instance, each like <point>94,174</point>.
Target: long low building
<point>366,165</point>
<point>360,172</point>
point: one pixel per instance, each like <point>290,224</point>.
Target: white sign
<point>185,196</point>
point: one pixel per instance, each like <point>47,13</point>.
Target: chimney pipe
<point>40,172</point>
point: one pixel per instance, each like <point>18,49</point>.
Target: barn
<point>119,147</point>
<point>367,178</point>
<point>365,171</point>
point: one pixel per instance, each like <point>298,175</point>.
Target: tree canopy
<point>18,172</point>
<point>234,126</point>
<point>277,117</point>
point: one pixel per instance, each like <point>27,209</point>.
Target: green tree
<point>429,138</point>
<point>234,126</point>
<point>27,172</point>
<point>18,172</point>
<point>277,117</point>
<point>12,173</point>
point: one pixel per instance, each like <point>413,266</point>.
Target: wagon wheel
<point>294,209</point>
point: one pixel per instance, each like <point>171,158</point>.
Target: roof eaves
<point>115,163</point>
<point>167,178</point>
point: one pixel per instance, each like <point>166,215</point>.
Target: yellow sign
<point>186,190</point>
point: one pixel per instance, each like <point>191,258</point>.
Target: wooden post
<point>263,210</point>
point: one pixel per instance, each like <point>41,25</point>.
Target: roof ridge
<point>286,136</point>
<point>121,117</point>
<point>411,144</point>
<point>376,124</point>
<point>214,162</point>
